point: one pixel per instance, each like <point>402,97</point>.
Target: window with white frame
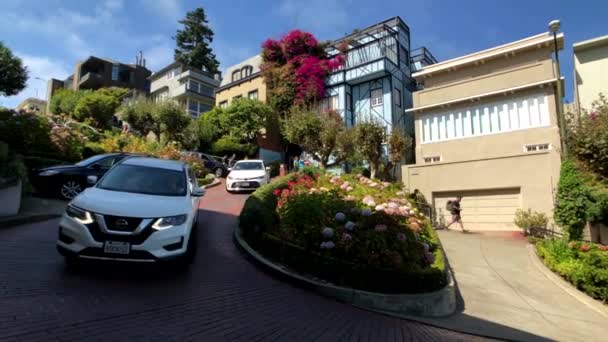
<point>497,117</point>
<point>253,94</point>
<point>376,97</point>
<point>174,72</point>
<point>431,160</point>
<point>223,104</point>
<point>329,103</point>
<point>196,108</point>
<point>537,147</point>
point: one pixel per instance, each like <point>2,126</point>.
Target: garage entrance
<point>488,210</point>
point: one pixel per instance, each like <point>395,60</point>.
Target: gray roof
<point>254,61</point>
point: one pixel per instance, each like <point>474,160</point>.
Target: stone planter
<point>10,197</point>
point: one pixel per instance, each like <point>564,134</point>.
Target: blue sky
<point>50,36</point>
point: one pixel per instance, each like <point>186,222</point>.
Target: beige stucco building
<point>245,80</point>
<point>590,71</point>
<point>191,87</point>
<point>487,129</point>
<point>242,80</point>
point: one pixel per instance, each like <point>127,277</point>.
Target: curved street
<point>223,296</point>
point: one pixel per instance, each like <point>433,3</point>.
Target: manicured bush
<point>583,264</point>
<point>331,227</point>
<point>572,201</point>
<point>526,219</point>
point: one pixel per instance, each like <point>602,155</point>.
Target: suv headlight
<point>80,215</point>
<point>48,173</point>
<point>168,222</point>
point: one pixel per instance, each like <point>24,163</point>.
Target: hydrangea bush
<point>342,228</point>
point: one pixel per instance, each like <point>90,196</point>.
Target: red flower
<point>277,192</point>
<point>285,193</point>
<point>585,248</point>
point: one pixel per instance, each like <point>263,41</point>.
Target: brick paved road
<point>222,297</point>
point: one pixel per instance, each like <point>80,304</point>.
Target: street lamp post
<point>43,81</point>
<point>553,28</point>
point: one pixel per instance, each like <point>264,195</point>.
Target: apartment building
<point>375,81</point>
<point>32,105</point>
<point>590,71</point>
<point>191,87</point>
<point>487,129</point>
<point>96,72</point>
<point>244,80</point>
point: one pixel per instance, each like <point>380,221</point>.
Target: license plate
<point>116,247</point>
<point>245,184</point>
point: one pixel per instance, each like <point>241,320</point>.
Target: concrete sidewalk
<point>505,294</point>
<point>34,209</point>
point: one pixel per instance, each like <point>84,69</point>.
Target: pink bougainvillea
<point>301,53</point>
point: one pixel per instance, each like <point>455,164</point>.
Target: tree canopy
<point>322,135</point>
<point>98,107</point>
<point>193,42</point>
<point>13,74</point>
<point>370,135</point>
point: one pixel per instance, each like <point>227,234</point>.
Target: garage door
<point>482,209</point>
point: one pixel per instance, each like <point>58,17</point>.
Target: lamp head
<point>554,26</point>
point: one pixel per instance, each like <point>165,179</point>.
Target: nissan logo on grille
<point>121,223</point>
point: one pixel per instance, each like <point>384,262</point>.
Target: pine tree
<point>193,42</point>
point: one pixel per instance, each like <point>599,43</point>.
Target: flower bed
<point>349,230</point>
<point>585,265</point>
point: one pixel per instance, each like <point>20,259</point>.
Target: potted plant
<point>13,178</point>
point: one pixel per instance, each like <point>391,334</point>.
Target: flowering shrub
<point>583,264</point>
<point>321,222</point>
<point>301,54</point>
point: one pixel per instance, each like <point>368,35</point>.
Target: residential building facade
<point>95,73</point>
<point>33,105</point>
<point>590,71</point>
<point>375,81</point>
<point>244,80</point>
<point>191,87</point>
<point>487,129</point>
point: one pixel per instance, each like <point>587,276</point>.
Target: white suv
<point>142,210</point>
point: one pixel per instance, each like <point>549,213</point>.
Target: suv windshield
<point>144,180</point>
<point>248,166</point>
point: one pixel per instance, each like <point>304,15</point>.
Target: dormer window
<point>236,75</point>
<point>246,71</point>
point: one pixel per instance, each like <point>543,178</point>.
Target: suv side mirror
<point>92,180</point>
<point>198,192</point>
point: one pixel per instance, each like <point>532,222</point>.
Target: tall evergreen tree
<point>13,74</point>
<point>193,42</point>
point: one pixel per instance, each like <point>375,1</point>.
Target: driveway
<point>504,292</point>
<point>222,297</point>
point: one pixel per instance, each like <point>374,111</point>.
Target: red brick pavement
<point>222,297</point>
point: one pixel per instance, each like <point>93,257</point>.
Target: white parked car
<point>247,175</point>
<point>142,210</point>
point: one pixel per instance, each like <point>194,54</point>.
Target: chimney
<point>144,62</point>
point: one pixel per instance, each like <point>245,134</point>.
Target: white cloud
<point>168,9</point>
<point>38,67</point>
<point>323,17</point>
<point>158,56</point>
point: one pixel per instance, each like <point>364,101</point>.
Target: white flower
<point>380,207</point>
<point>340,217</point>
<point>371,203</point>
<point>327,232</point>
<point>393,205</point>
<point>350,226</point>
<point>350,188</point>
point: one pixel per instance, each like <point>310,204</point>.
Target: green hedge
<point>259,212</point>
<point>584,265</point>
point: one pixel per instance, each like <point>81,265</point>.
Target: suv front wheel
<point>218,172</point>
